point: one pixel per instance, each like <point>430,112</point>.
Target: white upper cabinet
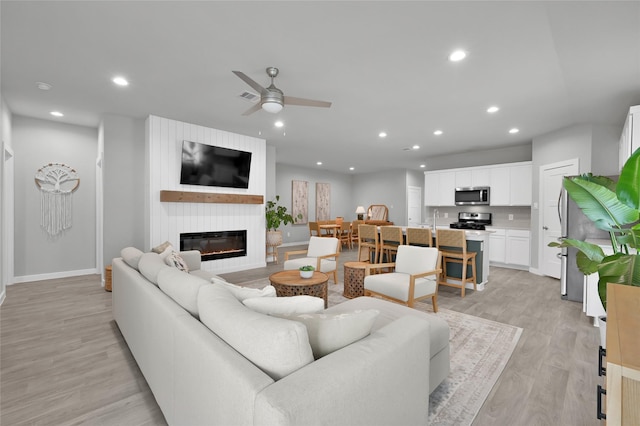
<point>510,184</point>
<point>630,138</point>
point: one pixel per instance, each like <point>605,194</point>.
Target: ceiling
<point>382,64</point>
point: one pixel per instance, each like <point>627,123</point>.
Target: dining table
<point>330,228</point>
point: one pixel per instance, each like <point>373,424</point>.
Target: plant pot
<point>274,238</point>
<point>602,323</point>
<point>306,274</point>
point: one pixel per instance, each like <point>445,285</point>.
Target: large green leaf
<point>599,203</point>
<point>618,268</point>
<point>589,255</point>
<point>600,180</point>
<point>628,187</point>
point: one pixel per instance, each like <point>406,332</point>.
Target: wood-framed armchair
<point>414,278</point>
<point>323,253</point>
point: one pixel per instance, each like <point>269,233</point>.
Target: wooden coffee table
<point>290,283</point>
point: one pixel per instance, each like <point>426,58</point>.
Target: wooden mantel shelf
<point>209,197</point>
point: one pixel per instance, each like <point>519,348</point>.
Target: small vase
<point>306,274</point>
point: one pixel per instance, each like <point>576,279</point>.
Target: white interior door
<point>414,206</point>
<point>551,184</point>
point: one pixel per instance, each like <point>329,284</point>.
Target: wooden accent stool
<point>107,278</point>
<point>354,273</point>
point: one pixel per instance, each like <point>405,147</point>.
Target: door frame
<point>417,190</point>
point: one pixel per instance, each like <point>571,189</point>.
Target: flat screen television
<point>210,165</point>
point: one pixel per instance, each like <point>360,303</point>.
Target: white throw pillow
<point>330,332</point>
<point>131,256</point>
<point>242,293</point>
<point>285,305</point>
<point>174,259</point>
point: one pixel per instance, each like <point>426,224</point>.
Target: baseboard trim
<point>53,275</point>
<point>536,271</point>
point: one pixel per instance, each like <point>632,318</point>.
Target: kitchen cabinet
<point>510,247</point>
<point>497,246</point>
<point>623,355</point>
<point>517,247</point>
<point>520,181</point>
<point>439,188</point>
<point>480,176</point>
<point>630,138</point>
<point>500,188</point>
<point>463,178</point>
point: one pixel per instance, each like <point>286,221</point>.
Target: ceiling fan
<point>272,99</point>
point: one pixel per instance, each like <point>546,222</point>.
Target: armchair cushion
<point>414,260</point>
<point>396,285</point>
<point>322,246</point>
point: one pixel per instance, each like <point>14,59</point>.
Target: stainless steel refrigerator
<point>574,224</point>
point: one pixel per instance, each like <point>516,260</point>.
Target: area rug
<point>480,349</point>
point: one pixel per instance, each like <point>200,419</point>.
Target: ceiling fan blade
<point>251,83</point>
<point>290,100</point>
<point>253,109</point>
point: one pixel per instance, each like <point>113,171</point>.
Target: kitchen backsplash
<point>499,215</point>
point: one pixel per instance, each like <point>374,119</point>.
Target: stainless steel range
<point>475,221</point>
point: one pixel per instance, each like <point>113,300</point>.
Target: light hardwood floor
<point>64,362</point>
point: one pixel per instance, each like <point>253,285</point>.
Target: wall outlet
<point>288,234</point>
<point>446,215</point>
<point>510,217</point>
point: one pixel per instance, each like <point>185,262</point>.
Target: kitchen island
<point>477,241</point>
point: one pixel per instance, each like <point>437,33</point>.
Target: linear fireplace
<point>216,245</point>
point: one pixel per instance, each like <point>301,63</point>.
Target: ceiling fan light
<point>272,107</point>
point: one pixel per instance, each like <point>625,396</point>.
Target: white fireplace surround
<point>167,220</point>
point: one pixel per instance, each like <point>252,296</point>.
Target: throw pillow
<point>330,332</point>
<point>242,293</point>
<point>174,259</point>
<point>162,247</point>
<point>131,256</point>
<point>285,305</point>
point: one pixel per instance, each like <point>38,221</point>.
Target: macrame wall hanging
<point>57,182</point>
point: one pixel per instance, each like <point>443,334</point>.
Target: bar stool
<point>390,238</point>
<point>419,237</point>
<point>368,239</point>
<point>452,245</point>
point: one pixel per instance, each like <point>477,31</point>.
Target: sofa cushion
<point>182,288</point>
<point>150,264</point>
<point>207,275</point>
<point>242,293</point>
<point>174,259</point>
<point>275,345</point>
<point>131,256</point>
<point>330,332</point>
<point>285,305</point>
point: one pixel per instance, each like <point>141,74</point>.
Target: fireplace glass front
<point>215,245</point>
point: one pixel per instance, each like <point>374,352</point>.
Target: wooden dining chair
<point>419,237</point>
<point>354,230</point>
<point>452,244</point>
<point>390,238</point>
<point>314,229</point>
<point>344,234</point>
<point>368,239</point>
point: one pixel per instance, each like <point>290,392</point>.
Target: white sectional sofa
<point>199,378</point>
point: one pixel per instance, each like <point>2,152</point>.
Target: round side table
<point>290,283</point>
<point>354,279</point>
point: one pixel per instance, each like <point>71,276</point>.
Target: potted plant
<point>613,207</point>
<point>306,271</point>
<point>275,216</point>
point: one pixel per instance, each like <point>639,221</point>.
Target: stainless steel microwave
<point>476,196</point>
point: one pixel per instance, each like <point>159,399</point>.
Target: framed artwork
<point>300,201</point>
<point>323,201</point>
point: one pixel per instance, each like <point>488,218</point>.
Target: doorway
<point>414,206</point>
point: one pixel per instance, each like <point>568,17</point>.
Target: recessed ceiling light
<point>56,114</point>
<point>120,81</point>
<point>422,166</point>
<point>416,147</point>
<point>352,168</point>
<point>278,124</point>
<point>43,86</point>
<point>319,163</point>
<point>493,109</point>
<point>457,55</point>
<point>438,132</point>
<point>514,130</point>
<point>382,134</point>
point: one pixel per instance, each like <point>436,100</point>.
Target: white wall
<point>166,221</point>
<point>36,143</point>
